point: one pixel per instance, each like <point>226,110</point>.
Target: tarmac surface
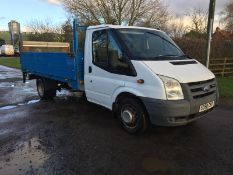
<point>71,136</point>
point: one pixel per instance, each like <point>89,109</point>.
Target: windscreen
<point>150,45</point>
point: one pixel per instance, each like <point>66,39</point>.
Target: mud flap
<point>24,77</point>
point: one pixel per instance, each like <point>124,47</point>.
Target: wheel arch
<point>125,91</point>
<point>125,94</point>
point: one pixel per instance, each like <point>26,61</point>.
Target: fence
<point>222,67</point>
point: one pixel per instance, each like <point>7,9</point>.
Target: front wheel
<point>44,92</point>
<point>132,115</point>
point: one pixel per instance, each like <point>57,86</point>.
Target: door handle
<point>90,69</point>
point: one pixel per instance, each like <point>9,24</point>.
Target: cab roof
<point>118,27</point>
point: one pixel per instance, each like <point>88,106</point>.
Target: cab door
<point>104,68</point>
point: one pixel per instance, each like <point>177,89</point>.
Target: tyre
<point>132,115</point>
<point>44,92</point>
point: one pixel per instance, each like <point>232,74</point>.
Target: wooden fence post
<point>224,67</point>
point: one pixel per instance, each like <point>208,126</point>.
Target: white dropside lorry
<point>138,73</point>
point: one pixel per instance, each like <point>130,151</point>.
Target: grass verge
<point>225,85</point>
<point>13,62</point>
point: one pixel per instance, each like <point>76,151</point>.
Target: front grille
<point>202,88</point>
<point>201,82</point>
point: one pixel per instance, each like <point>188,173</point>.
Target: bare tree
<point>44,30</point>
<point>41,26</point>
<point>136,12</point>
<point>177,27</point>
<point>199,18</point>
<point>228,16</point>
<point>67,30</point>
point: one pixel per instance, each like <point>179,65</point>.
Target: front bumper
<point>175,113</point>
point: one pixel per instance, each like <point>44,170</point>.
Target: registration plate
<point>206,106</point>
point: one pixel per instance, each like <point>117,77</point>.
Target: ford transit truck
<point>138,73</point>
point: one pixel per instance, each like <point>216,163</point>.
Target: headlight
<point>172,88</point>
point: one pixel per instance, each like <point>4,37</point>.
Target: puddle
<point>63,94</point>
<point>7,72</point>
<point>25,160</point>
<point>32,102</point>
<point>4,131</point>
<point>7,107</point>
<point>20,104</point>
<point>152,165</point>
<point>15,83</point>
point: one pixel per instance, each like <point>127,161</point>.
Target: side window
<point>107,54</point>
<point>100,47</point>
<point>116,59</point>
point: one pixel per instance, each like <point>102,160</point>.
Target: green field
<point>5,36</point>
<point>13,62</point>
<point>225,84</point>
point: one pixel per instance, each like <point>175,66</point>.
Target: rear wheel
<point>132,115</point>
<point>44,91</point>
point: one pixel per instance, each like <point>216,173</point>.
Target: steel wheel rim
<point>132,116</point>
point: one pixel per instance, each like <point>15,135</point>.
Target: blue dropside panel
<point>56,66</point>
<point>80,68</point>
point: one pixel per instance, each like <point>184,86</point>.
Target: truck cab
<point>141,75</point>
<point>128,67</point>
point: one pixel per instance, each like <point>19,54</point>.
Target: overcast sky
<point>181,6</point>
<point>25,10</point>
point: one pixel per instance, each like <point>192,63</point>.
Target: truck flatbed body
<point>57,66</point>
<point>62,66</point>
